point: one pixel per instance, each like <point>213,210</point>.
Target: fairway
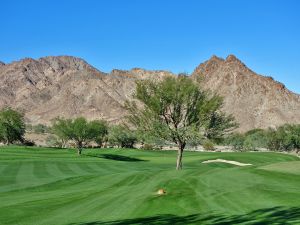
<point>44,186</point>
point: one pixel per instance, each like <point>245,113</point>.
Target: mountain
<point>69,87</point>
<point>256,101</point>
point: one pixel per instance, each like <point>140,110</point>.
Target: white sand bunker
<point>227,161</point>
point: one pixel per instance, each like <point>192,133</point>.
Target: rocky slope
<point>255,101</point>
<point>69,87</point>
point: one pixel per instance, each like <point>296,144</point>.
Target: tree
<point>62,129</point>
<point>255,139</point>
<point>102,131</point>
<point>78,130</point>
<point>295,137</point>
<point>176,109</point>
<point>12,126</point>
<point>215,122</point>
<point>284,138</point>
<point>122,136</point>
<point>236,141</point>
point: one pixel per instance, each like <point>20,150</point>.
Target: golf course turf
<point>119,186</point>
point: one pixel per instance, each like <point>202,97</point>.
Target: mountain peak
<point>232,58</point>
<point>2,63</point>
<point>66,62</point>
<point>216,58</point>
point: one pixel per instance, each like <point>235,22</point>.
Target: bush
<point>237,142</point>
<point>148,147</point>
<point>122,137</point>
<point>40,129</point>
<point>249,145</point>
<point>285,138</point>
<point>208,146</point>
<point>257,138</point>
<point>53,141</point>
<point>26,142</point>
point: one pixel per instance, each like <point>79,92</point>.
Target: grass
<point>43,186</point>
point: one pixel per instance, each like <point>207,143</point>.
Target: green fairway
<point>109,186</point>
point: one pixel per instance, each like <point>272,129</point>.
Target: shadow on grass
<point>117,157</point>
<point>269,216</point>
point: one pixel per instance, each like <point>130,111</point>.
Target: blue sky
<point>157,34</point>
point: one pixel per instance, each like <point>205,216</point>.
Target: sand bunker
<point>227,161</point>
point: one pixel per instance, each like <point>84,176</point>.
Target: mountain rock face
<point>255,101</point>
<point>69,87</point>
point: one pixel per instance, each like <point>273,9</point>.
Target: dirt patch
<point>161,192</point>
<point>227,161</point>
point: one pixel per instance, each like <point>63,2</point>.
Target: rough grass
<point>55,186</point>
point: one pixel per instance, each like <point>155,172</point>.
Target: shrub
<point>237,142</point>
<point>28,142</point>
<point>249,145</point>
<point>53,141</point>
<point>148,147</point>
<point>208,146</point>
<point>40,129</point>
<point>285,138</point>
<point>122,136</point>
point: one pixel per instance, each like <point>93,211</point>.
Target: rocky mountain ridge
<point>256,101</point>
<point>69,87</point>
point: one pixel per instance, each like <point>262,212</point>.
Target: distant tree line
<point>284,138</point>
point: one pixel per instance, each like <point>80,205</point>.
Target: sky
<point>174,35</point>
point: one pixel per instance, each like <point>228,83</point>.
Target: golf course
<point>52,186</point>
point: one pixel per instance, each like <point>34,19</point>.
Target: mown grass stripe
<point>57,187</point>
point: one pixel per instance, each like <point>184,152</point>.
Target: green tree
<point>12,126</point>
<point>121,136</point>
<point>284,138</point>
<point>102,131</point>
<point>216,122</point>
<point>295,137</point>
<point>78,130</point>
<point>278,139</point>
<point>256,138</point>
<point>236,141</point>
<point>62,129</point>
<point>176,109</point>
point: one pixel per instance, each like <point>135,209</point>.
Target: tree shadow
<point>268,216</point>
<point>117,157</point>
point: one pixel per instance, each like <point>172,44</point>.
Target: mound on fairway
<point>40,186</point>
<point>227,161</point>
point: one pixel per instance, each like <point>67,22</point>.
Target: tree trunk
<point>79,148</point>
<point>179,156</point>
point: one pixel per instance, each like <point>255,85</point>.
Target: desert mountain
<point>68,87</point>
<point>255,101</point>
